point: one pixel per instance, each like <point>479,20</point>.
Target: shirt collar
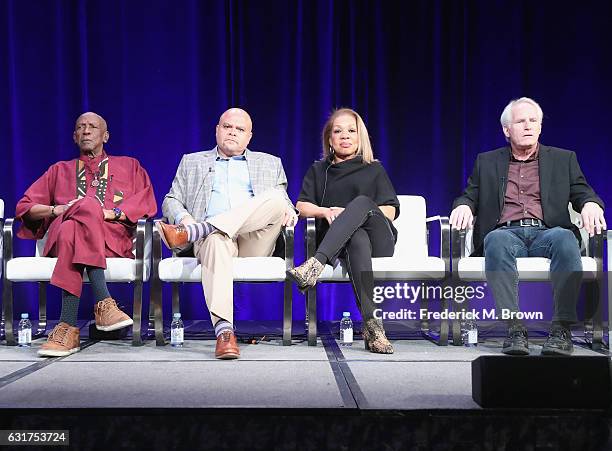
<point>531,158</point>
<point>93,161</point>
<point>219,157</point>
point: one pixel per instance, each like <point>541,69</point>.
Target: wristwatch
<point>117,212</point>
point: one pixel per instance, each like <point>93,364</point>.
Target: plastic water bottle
<point>24,331</point>
<point>469,333</point>
<point>346,330</point>
<point>588,332</point>
<point>177,331</point>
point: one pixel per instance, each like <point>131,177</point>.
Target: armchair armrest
<point>7,287</point>
<point>7,238</point>
<point>288,233</point>
<point>458,240</point>
<point>143,240</point>
<point>445,238</point>
<point>311,237</point>
<point>594,247</point>
<point>461,245</point>
<point>1,247</point>
<point>143,258</point>
<point>156,247</point>
<point>311,296</point>
<point>155,303</point>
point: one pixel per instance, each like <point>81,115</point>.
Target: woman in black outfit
<point>354,203</point>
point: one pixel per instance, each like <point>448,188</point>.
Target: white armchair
<point>39,269</point>
<point>177,270</point>
<point>410,262</point>
<point>537,269</point>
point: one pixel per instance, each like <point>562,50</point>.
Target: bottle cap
<point>24,316</point>
<point>346,314</point>
<point>177,315</point>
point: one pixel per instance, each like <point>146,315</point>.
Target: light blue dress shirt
<point>232,186</point>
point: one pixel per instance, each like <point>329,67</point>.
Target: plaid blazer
<point>192,186</point>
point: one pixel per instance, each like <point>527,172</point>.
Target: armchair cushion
<point>530,268</point>
<point>245,269</point>
<point>395,268</point>
<point>39,269</point>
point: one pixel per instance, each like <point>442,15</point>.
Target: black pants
<point>361,232</point>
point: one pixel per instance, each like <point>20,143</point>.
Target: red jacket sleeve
<point>40,192</point>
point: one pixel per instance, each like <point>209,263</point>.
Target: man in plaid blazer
<point>226,202</point>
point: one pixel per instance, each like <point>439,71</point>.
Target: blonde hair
<point>364,149</point>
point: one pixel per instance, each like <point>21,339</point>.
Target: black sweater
<point>335,185</point>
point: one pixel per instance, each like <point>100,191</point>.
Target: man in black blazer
<point>519,195</point>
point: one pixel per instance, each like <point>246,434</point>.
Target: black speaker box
<point>95,334</point>
<point>541,381</point>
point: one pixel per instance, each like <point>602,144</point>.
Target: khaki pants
<point>249,230</point>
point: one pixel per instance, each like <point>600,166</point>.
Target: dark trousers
<point>361,232</point>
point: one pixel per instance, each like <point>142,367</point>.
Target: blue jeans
<point>504,245</point>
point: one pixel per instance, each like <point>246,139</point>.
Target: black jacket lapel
<point>546,165</point>
<point>502,164</point>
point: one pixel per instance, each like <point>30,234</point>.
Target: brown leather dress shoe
<point>227,347</point>
<point>173,236</point>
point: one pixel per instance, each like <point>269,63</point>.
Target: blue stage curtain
<point>429,77</point>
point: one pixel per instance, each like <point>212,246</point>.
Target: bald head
<point>237,112</point>
<point>95,116</point>
<point>234,132</point>
<point>90,133</point>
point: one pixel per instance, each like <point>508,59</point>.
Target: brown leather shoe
<point>227,347</point>
<point>63,340</point>
<point>109,316</point>
<point>173,236</point>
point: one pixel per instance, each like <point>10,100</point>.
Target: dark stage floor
<point>419,389</point>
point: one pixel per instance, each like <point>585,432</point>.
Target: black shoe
<point>559,342</point>
<point>516,343</point>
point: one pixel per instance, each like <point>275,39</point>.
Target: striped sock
<point>199,230</point>
<point>221,326</point>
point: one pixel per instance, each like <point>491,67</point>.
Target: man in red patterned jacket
<point>88,208</point>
